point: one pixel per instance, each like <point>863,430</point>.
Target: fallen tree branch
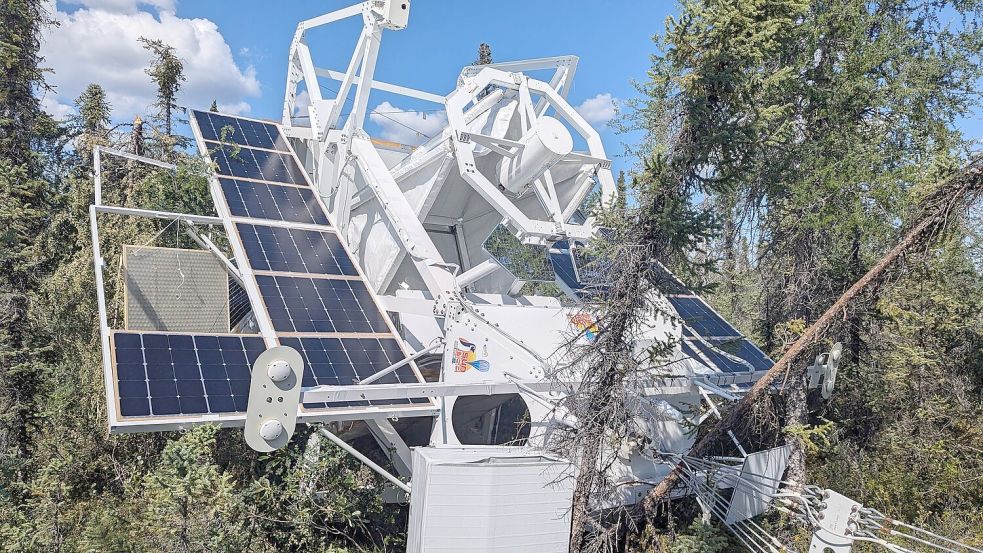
<point>954,194</point>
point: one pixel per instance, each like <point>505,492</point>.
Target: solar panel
<point>161,374</point>
<point>345,361</point>
<point>312,291</point>
<point>256,164</point>
<point>707,337</point>
<point>216,127</point>
<point>736,355</point>
<point>276,202</point>
<point>698,316</point>
<point>575,271</point>
<point>320,305</point>
<point>295,250</point>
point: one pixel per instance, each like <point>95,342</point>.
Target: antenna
<point>377,282</point>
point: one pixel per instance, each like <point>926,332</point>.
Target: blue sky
<point>613,44</point>
<point>236,52</point>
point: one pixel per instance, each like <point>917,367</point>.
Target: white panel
<point>489,499</point>
<point>759,480</point>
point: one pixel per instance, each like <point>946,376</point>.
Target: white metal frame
<point>342,150</point>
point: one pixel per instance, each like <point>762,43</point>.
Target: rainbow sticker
<point>585,325</point>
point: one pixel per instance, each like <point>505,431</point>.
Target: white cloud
<point>407,126</point>
<point>301,102</point>
<point>55,108</point>
<point>98,43</point>
<point>600,109</point>
<point>124,6</point>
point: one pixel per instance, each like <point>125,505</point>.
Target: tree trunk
<point>796,414</point>
<point>949,198</point>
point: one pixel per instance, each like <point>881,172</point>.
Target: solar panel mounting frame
<point>119,423</point>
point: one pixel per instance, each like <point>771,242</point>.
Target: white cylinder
<point>544,145</point>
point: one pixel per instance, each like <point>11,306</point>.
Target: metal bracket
<point>837,516</point>
<point>274,394</point>
<point>823,371</point>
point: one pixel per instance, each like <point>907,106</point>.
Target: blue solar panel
<point>345,361</point>
<point>723,343</point>
<point>698,316</point>
<point>331,317</point>
<point>216,127</point>
<point>180,374</point>
<point>295,250</point>
<point>320,305</point>
<point>257,200</point>
<point>250,163</point>
<point>721,354</point>
<point>577,272</point>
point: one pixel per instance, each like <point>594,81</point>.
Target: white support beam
<point>104,331</point>
<point>356,120</point>
<point>331,121</point>
<point>337,15</point>
<point>204,242</point>
<point>317,103</point>
<point>414,390</point>
<point>186,217</point>
<point>396,366</point>
<point>368,462</point>
<point>383,86</point>
<point>135,157</point>
<point>392,444</point>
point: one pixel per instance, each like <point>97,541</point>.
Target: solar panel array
<point>316,299</point>
<point>707,337</point>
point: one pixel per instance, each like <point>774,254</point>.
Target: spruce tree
<point>24,198</point>
<point>167,72</point>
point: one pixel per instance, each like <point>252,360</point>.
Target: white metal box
<point>489,498</point>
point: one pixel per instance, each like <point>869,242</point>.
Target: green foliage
<point>167,73</point>
<point>701,538</point>
<point>811,130</point>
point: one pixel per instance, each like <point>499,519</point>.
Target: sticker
<point>585,325</point>
<point>465,357</point>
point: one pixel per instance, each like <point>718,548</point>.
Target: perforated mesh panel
<point>175,290</point>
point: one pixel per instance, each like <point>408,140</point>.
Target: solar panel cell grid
<point>271,201</point>
<point>298,304</point>
<point>255,134</point>
<point>256,164</point>
<point>295,250</point>
<point>345,361</point>
<point>696,314</point>
<point>172,374</point>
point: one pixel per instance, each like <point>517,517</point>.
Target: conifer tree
<point>167,72</point>
<point>24,196</point>
<point>484,54</point>
<point>91,122</point>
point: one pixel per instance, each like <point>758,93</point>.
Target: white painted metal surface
<point>759,479</point>
<point>489,499</point>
